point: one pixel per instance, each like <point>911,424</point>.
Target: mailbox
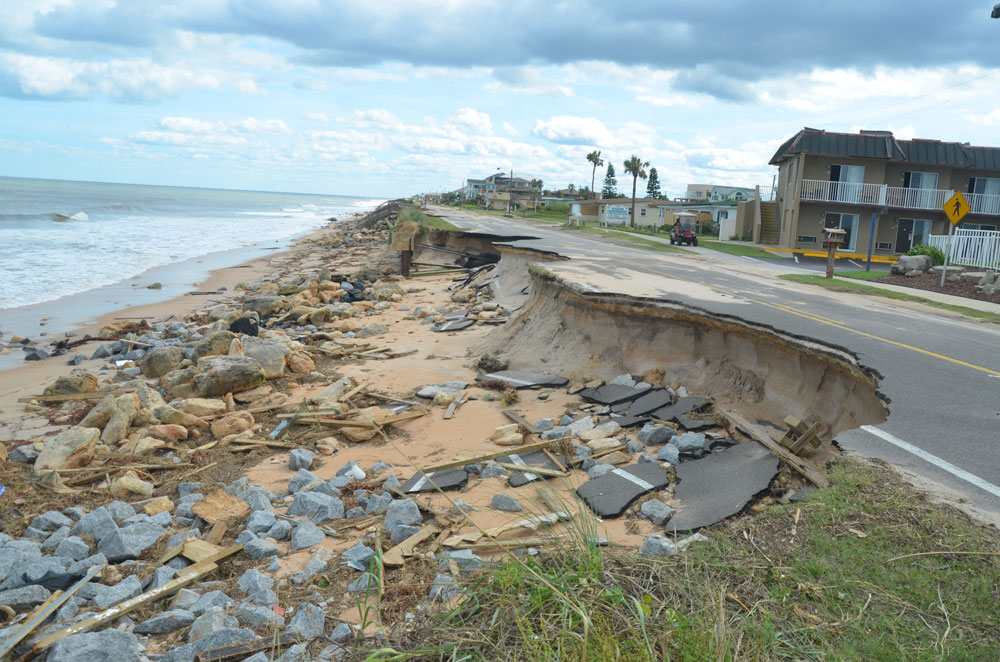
<point>834,236</point>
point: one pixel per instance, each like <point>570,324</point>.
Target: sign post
<point>955,209</point>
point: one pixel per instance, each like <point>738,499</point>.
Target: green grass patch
<point>425,221</point>
<point>860,288</point>
<point>819,580</point>
<point>734,249</point>
<point>862,275</point>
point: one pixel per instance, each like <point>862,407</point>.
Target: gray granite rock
<point>363,584</point>
<point>655,545</point>
<point>317,507</point>
<point>281,529</point>
<point>260,521</point>
<point>309,621</point>
<point>357,557</point>
<point>431,390</point>
<point>106,646</point>
<point>302,478</point>
<point>109,596</point>
<point>656,512</point>
<point>353,470</point>
<point>300,458</point>
<point>24,598</point>
<point>443,588</point>
<point>669,453</point>
<point>50,521</point>
<point>306,534</point>
<point>342,634</point>
<point>258,498</point>
<point>162,575</point>
<point>652,435</point>
<point>401,532</point>
<point>689,442</point>
<point>599,470</point>
<point>258,587</point>
<point>258,616</point>
<point>213,619</point>
<point>73,548</point>
<point>130,542</point>
<point>55,538</point>
<point>377,504</point>
<point>166,622</point>
<point>120,510</point>
<point>505,503</point>
<point>96,524</point>
<point>257,548</point>
<point>210,600</point>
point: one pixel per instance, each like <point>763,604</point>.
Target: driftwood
<point>490,456</point>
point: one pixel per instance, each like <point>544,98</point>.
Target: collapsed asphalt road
<point>941,373</point>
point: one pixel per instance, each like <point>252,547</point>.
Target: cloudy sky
<point>391,98</point>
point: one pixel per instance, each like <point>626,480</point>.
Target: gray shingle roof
<point>882,145</point>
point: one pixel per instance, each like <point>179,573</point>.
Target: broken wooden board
<point>448,479</point>
<point>485,457</point>
<point>198,550</point>
<point>760,434</point>
<point>721,485</point>
<point>242,651</point>
<point>184,577</point>
<point>520,420</point>
<point>46,609</point>
<point>220,505</point>
<point>530,523</point>
<point>609,495</point>
<point>397,555</point>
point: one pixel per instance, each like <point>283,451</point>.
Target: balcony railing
<point>880,195</point>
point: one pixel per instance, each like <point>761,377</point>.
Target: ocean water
<point>62,237</point>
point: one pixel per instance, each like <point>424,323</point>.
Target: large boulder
<point>70,448</point>
<point>123,411</point>
<point>202,406</point>
<point>77,381</point>
<point>265,305</point>
<point>907,263</point>
<point>220,375</point>
<point>106,646</point>
<point>214,344</point>
<point>161,360</point>
<point>270,355</point>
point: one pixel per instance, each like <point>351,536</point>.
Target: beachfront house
<point>886,193</point>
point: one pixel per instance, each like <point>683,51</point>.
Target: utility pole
<point>510,189</point>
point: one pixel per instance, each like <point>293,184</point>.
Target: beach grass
<point>860,288</point>
<point>425,221</point>
<point>867,569</point>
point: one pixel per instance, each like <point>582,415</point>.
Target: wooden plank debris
<point>185,577</point>
<point>46,609</point>
<point>65,397</point>
<point>760,435</point>
<point>491,456</point>
<point>397,555</point>
<point>541,471</point>
<point>220,505</point>
<point>520,420</point>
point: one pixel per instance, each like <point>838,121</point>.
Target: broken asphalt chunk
<point>685,405</point>
<point>721,485</point>
<point>649,402</point>
<point>611,394</point>
<point>610,494</point>
<point>456,325</point>
<point>447,479</point>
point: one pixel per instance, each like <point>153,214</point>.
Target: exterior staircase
<point>768,224</point>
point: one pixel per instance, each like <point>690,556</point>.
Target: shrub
<point>936,254</point>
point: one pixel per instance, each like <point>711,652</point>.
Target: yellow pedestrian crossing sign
<point>956,208</point>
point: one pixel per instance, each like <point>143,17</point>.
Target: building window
<point>805,239</point>
<point>847,222</point>
<point>883,245</point>
<point>642,212</point>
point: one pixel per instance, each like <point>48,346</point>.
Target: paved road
<point>940,372</point>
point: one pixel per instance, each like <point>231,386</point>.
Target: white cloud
<point>254,125</point>
<point>248,86</point>
<point>474,120</point>
<point>572,130</point>
<point>314,115</point>
<point>311,84</point>
<point>526,80</point>
<point>510,129</point>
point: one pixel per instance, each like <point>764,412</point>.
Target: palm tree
<point>595,158</point>
<point>637,168</point>
<point>536,187</point>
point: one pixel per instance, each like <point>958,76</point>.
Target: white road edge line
<point>854,263</point>
<point>934,459</point>
<point>796,257</point>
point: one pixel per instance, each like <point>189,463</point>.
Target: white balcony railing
<point>971,248</point>
<point>880,195</point>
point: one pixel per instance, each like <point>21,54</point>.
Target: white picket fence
<point>972,248</point>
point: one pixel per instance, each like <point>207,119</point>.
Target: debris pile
<point>187,560</point>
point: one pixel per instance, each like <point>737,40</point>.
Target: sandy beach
<point>87,312</point>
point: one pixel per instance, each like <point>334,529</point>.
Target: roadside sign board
<point>956,208</point>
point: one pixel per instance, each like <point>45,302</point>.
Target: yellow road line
<point>833,323</point>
